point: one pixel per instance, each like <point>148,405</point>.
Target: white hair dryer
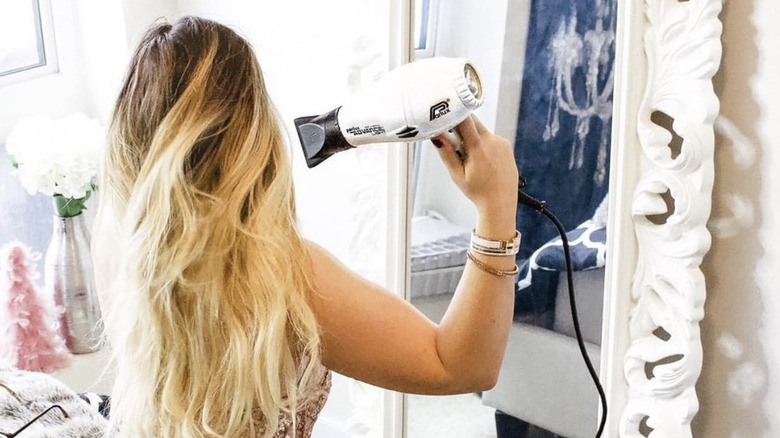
<point>414,102</point>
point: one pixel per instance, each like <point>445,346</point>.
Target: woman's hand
<point>487,173</point>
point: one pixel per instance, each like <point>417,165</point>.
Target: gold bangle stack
<point>490,270</point>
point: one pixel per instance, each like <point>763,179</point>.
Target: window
<point>26,40</point>
<point>425,13</point>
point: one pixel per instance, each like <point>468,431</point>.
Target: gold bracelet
<point>497,272</point>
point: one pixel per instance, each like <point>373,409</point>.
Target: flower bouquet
<point>58,157</point>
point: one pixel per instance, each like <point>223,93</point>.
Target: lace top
<point>310,406</point>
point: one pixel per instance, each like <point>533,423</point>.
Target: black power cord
<point>541,207</point>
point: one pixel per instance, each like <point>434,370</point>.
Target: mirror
<point>547,71</point>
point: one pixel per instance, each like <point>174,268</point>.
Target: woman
<point>223,320</point>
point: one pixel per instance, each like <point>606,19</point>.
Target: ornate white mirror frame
<point>661,178</point>
<point>660,201</point>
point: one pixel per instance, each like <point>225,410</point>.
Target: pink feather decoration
<point>29,339</point>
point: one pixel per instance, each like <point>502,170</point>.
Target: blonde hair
<point>207,315</point>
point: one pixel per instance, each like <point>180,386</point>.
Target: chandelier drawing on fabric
<point>583,62</point>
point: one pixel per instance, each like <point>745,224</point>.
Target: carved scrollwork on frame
<point>670,209</point>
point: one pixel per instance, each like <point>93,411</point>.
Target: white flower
<point>57,156</point>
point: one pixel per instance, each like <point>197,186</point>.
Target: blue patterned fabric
<point>564,124</point>
<point>588,247</point>
<point>538,278</point>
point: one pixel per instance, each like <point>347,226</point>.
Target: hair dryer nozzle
<point>320,137</point>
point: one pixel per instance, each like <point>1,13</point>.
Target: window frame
<point>50,65</point>
<point>428,30</point>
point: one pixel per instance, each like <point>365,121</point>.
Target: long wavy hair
<point>207,312</point>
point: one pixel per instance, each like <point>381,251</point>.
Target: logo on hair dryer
<point>439,110</point>
<point>414,102</point>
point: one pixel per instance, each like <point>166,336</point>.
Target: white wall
<point>91,52</point>
<point>59,93</point>
<point>739,388</point>
<point>518,16</point>
<point>104,51</point>
<point>492,36</point>
<point>139,14</point>
<point>475,31</point>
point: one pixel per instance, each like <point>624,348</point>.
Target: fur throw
<point>37,392</point>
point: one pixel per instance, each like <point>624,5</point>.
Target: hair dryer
<point>414,102</point>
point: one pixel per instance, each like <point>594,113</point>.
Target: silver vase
<point>70,281</point>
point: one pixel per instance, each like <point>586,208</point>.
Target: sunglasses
<point>31,422</point>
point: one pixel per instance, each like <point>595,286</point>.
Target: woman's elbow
<point>473,381</point>
<point>487,381</point>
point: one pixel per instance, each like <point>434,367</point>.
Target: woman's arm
<point>375,336</point>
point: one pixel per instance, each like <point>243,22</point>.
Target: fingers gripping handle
<point>456,141</point>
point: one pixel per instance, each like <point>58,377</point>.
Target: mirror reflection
<point>547,73</point>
